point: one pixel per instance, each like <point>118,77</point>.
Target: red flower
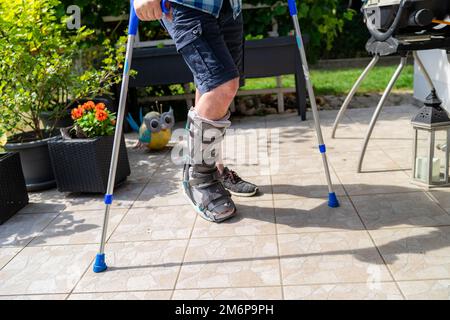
<point>77,113</point>
<point>101,115</point>
<point>113,122</point>
<point>90,105</point>
<point>100,106</point>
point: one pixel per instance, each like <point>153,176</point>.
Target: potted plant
<point>35,63</point>
<point>13,192</point>
<point>81,159</point>
<point>40,73</point>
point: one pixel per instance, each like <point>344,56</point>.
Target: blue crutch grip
<point>292,7</point>
<point>164,8</point>
<point>333,201</point>
<point>134,21</point>
<point>99,264</point>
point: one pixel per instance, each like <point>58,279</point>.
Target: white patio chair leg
<point>352,92</point>
<point>375,116</point>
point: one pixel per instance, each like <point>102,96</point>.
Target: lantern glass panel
<point>440,159</point>
<point>422,153</point>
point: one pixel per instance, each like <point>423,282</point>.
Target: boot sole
<point>244,195</point>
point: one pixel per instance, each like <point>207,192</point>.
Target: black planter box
<point>168,67</point>
<point>13,191</point>
<point>82,165</point>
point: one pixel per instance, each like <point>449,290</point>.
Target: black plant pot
<point>13,191</point>
<point>48,119</point>
<point>36,164</point>
<point>82,165</point>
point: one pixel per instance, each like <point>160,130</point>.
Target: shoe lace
<point>233,176</point>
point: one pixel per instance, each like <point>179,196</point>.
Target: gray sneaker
<point>236,185</point>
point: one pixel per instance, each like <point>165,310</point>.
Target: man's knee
<point>229,89</point>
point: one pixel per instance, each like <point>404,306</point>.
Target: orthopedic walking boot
<point>202,182</point>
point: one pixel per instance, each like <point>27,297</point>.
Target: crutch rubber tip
<point>333,201</point>
<point>99,264</point>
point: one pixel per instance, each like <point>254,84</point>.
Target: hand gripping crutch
<point>100,264</point>
<point>332,199</point>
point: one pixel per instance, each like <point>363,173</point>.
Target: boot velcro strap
<point>205,179</point>
<point>216,198</point>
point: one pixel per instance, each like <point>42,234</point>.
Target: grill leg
<point>351,94</point>
<point>380,106</point>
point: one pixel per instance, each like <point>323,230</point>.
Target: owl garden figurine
<point>155,130</point>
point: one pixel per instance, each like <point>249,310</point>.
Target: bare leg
<point>214,104</point>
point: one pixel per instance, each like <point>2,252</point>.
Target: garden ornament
<point>100,264</point>
<point>155,129</point>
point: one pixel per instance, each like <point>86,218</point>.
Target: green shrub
<point>37,70</point>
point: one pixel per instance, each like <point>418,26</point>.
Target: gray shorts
<point>213,48</point>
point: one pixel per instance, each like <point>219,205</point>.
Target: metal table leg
<point>386,93</point>
<point>350,96</point>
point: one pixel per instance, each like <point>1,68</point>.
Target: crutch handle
<point>134,20</point>
<point>292,7</point>
<point>164,7</point>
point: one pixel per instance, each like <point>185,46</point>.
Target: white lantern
<point>431,144</point>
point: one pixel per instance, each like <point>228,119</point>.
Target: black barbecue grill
<point>400,27</point>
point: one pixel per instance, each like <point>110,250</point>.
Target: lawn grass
<point>339,82</point>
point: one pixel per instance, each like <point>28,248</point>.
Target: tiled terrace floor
<point>388,240</point>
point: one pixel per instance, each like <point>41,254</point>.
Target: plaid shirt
<point>211,6</point>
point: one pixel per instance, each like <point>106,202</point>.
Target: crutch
<point>332,199</point>
<point>100,264</point>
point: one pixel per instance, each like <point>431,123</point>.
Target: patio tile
<point>230,262</point>
<point>370,183</point>
<point>426,290</point>
<point>6,254</point>
<point>22,228</point>
<point>353,291</point>
<point>374,161</point>
<point>50,201</point>
<point>253,218</point>
<point>141,171</point>
<point>347,141</point>
<point>330,257</point>
<point>137,266</point>
<point>262,168</point>
<point>161,194</point>
<point>262,293</point>
<point>35,297</point>
<point>295,186</point>
<point>386,130</point>
<point>53,201</point>
<point>160,223</point>
<point>77,227</point>
<point>288,165</point>
<point>314,215</point>
<point>441,196</point>
<point>393,144</point>
<point>415,253</point>
<point>124,196</point>
<point>131,295</point>
<point>46,270</point>
<point>399,210</point>
<point>402,157</point>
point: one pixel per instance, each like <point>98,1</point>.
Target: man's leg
<point>198,37</point>
<point>231,180</point>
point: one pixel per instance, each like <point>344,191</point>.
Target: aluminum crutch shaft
<point>332,198</point>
